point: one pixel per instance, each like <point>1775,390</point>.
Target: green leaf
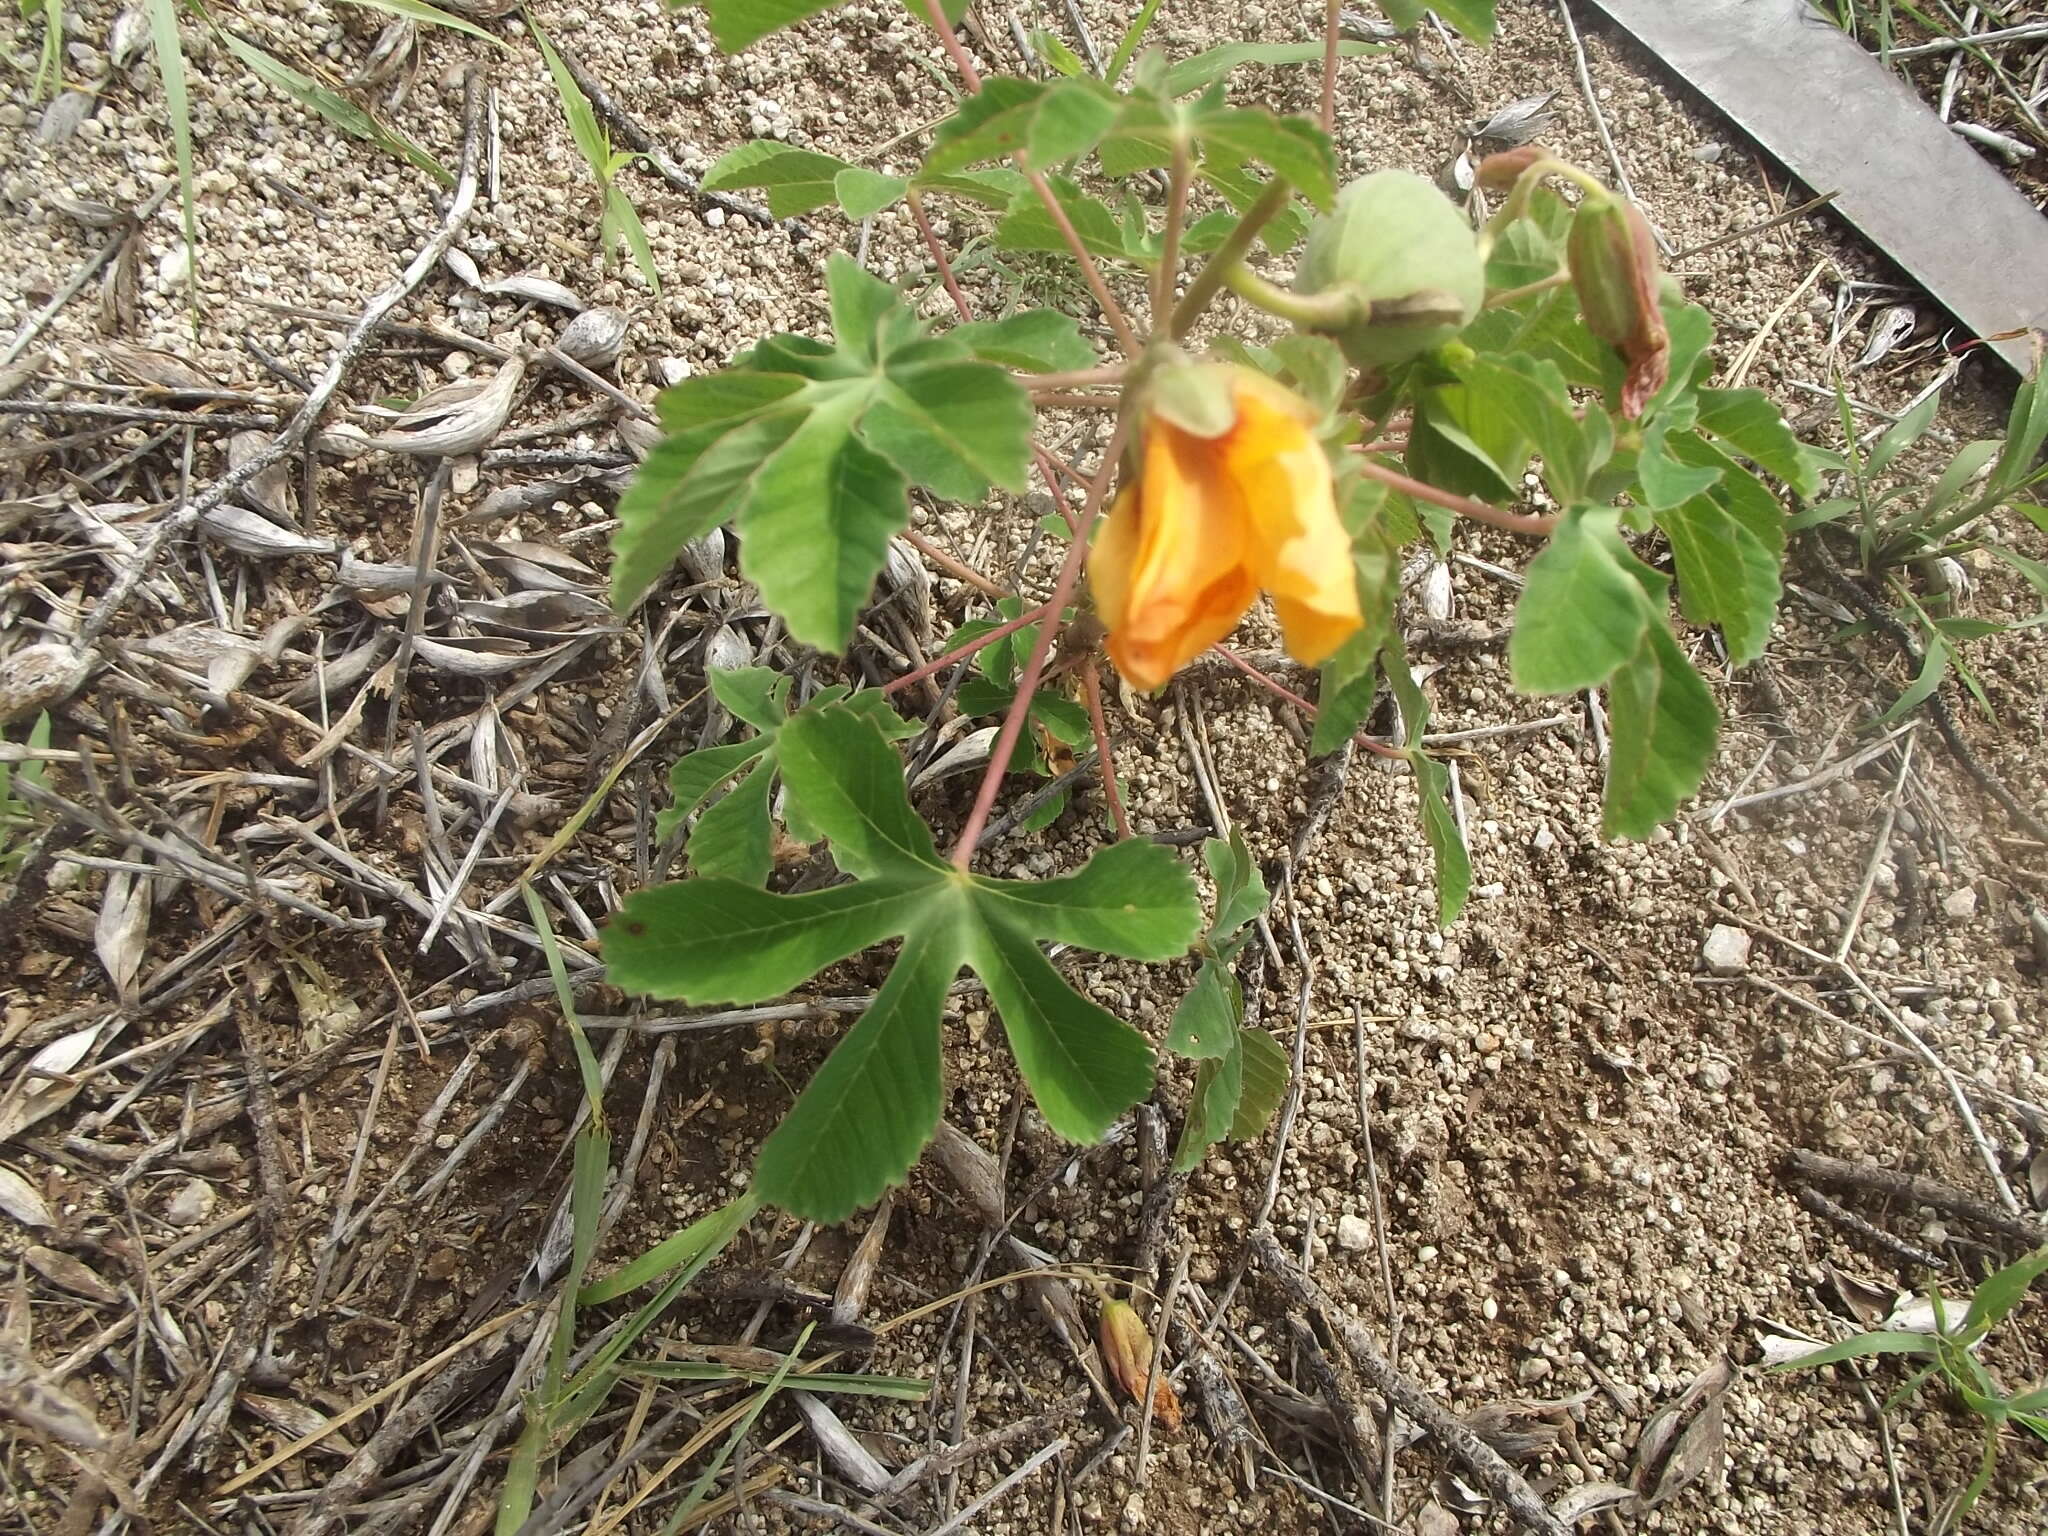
<point>850,784</point>
<point>1057,55</point>
<point>1934,666</point>
<point>1440,827</point>
<point>622,219</point>
<point>1532,395</point>
<point>719,941</point>
<point>1662,726</point>
<point>735,24</point>
<point>1473,18</point>
<point>733,838</point>
<point>1292,147</point>
<point>1085,1066</point>
<point>861,1121</point>
<point>864,1117</point>
<point>688,485</point>
<point>1749,422</point>
<point>993,189</point>
<point>1583,611</point>
<point>1027,226</point>
<point>797,181</point>
<point>1034,340</point>
<point>1863,1345</point>
<point>1266,1070</point>
<point>863,194</point>
<point>1212,64</point>
<point>2003,1290</point>
<point>817,525</point>
<point>338,110</point>
<point>1725,575</point>
<point>726,397</point>
<point>1902,434</point>
<point>1206,1020</point>
<point>1315,365</point>
<point>1219,1088</point>
<point>1736,491</point>
<point>688,1250</point>
<point>756,695</point>
<point>1663,480</point>
<point>696,774</point>
<point>952,424</point>
<point>1045,124</point>
<point>1241,894</point>
<point>1461,440</point>
<point>2026,429</point>
<point>1132,898</point>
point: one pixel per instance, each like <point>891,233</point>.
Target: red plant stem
<point>1104,299</point>
<point>931,243</point>
<point>1034,667</point>
<point>962,652</point>
<point>1091,691</point>
<point>1051,466</point>
<point>971,78</point>
<point>954,568</point>
<point>1332,14</point>
<point>1275,686</point>
<point>1528,525</point>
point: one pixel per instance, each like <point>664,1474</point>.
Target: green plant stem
<point>962,652</point>
<point>1098,725</point>
<point>1164,279</point>
<point>1034,667</point>
<point>1527,524</point>
<point>1334,309</point>
<point>1508,296</point>
<point>1227,255</point>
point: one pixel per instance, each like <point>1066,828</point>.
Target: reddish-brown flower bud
<point>1613,261</point>
<point>1498,172</point>
<point>1127,1349</point>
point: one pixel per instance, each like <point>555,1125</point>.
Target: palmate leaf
<point>737,23</point>
<point>808,450</point>
<point>868,1111</point>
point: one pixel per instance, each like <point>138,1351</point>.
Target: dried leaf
<point>964,756</point>
<point>459,419</point>
<point>1127,1350</point>
<point>29,1396</point>
<point>23,1201</point>
<point>121,937</point>
<point>62,118</point>
<point>1520,1428</point>
<point>387,57</point>
<point>1574,1504</point>
<point>2037,1178</point>
<point>44,1084</point>
<point>297,1421</point>
<point>72,1274</point>
<point>1669,1458</point>
<point>460,263</point>
<point>380,578</point>
<point>1893,326</point>
<point>1518,122</point>
<point>540,615</point>
<point>536,290</point>
<point>1868,1301</point>
<point>90,212</point>
<point>538,567</point>
<point>481,656</point>
<point>153,368</point>
<point>35,677</point>
<point>252,534</point>
<point>269,491</point>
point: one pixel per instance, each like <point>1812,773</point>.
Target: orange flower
<point>1213,519</point>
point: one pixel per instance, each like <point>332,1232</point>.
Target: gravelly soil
<point>1576,1132</point>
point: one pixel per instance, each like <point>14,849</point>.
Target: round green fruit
<point>1394,236</point>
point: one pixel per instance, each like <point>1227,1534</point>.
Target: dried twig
<point>1499,1479</point>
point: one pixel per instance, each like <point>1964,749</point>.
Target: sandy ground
<point>1541,1156</point>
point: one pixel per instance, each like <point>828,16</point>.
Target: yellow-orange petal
<point>1301,553</point>
<point>1187,582</point>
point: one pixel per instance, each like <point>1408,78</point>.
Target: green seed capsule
<point>1613,262</point>
<point>1399,242</point>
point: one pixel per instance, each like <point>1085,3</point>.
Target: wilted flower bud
<point>1394,238</point>
<point>1613,263</point>
<point>1498,172</point>
<point>1127,1348</point>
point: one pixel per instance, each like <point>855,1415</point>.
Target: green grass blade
<point>1127,45</point>
<point>170,67</point>
<point>702,1487</point>
<point>336,109</point>
<point>586,1059</point>
<point>433,16</point>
